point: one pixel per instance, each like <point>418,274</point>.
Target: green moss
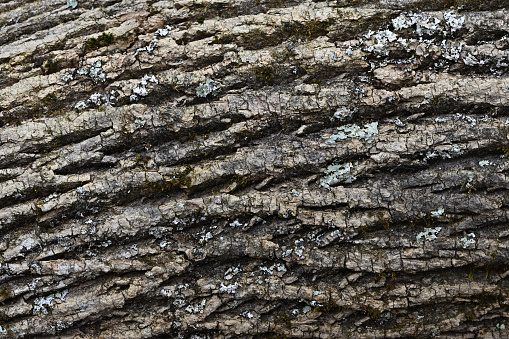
<point>264,74</point>
<point>200,20</point>
<point>102,40</point>
<point>277,336</point>
<point>505,150</point>
<point>386,222</point>
<point>371,312</point>
<point>49,105</point>
<point>4,293</point>
<point>51,66</point>
<point>470,315</point>
<point>258,38</point>
<point>284,320</point>
<point>461,5</point>
<point>486,299</point>
<point>329,307</point>
<point>239,180</point>
<point>471,274</point>
<point>142,159</point>
<point>309,30</point>
<point>381,275</point>
<point>180,180</point>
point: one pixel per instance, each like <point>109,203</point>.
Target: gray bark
<point>254,169</point>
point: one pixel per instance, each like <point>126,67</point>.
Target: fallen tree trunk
<point>210,169</point>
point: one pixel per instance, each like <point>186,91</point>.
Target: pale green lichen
<point>468,240</point>
<point>354,131</point>
<point>484,163</point>
<point>438,212</point>
<point>44,304</point>
<point>428,234</point>
<point>72,3</point>
<point>209,87</point>
<point>337,174</point>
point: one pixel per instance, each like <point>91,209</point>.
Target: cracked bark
<point>218,169</point>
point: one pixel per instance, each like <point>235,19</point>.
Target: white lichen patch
<point>429,24</point>
<point>398,122</point>
<point>438,213</point>
<point>471,60</point>
<point>97,99</point>
<point>471,120</point>
<point>230,289</point>
<point>456,150</point>
<point>429,234</point>
<point>209,87</point>
<point>247,315</point>
<point>273,268</point>
<point>150,48</point>
<point>206,237</point>
<point>81,105</point>
<point>164,31</point>
<point>67,77</point>
<point>231,272</point>
<point>165,292</point>
<point>72,4</point>
<point>199,308</point>
<point>470,179</point>
<point>451,50</point>
<point>236,223</point>
<point>298,249</point>
<point>442,154</point>
<point>354,131</point>
<point>338,174</point>
<point>96,72</point>
<point>468,240</point>
<point>342,113</point>
<point>455,22</point>
<point>140,90</point>
<point>29,243</point>
<point>81,191</point>
<point>44,304</point>
<point>405,20</point>
<point>139,122</point>
<point>377,41</point>
<point>484,163</point>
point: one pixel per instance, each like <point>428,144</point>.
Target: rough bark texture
<point>219,169</point>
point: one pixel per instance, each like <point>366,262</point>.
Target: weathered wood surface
<point>220,169</point>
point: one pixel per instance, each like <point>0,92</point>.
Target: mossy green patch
<point>4,293</point>
<point>102,40</point>
<point>505,150</point>
<point>264,74</point>
<point>329,307</point>
<point>239,180</point>
<point>371,312</point>
<point>180,180</point>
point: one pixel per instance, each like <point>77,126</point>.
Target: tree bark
<point>254,169</point>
